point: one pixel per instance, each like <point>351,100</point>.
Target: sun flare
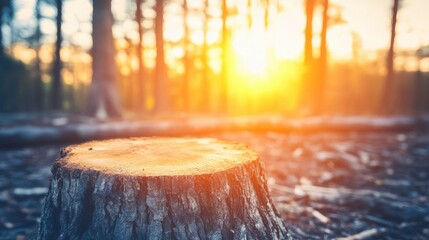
<point>251,50</point>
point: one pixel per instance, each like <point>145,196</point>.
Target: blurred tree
<point>356,47</point>
<point>249,14</point>
<point>160,81</point>
<point>39,95</point>
<point>308,46</point>
<point>314,79</point>
<point>266,14</point>
<point>8,66</point>
<point>186,61</point>
<point>224,74</point>
<point>140,53</point>
<point>386,103</point>
<point>103,96</point>
<point>14,85</point>
<point>6,13</point>
<point>323,58</point>
<point>308,78</point>
<point>56,91</point>
<point>205,103</point>
<point>323,43</point>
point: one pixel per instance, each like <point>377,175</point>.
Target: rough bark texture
<point>229,204</point>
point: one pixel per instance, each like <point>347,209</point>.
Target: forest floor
<point>326,185</point>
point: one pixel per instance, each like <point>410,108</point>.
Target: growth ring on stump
<point>159,188</point>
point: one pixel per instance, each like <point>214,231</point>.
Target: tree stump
<point>159,188</point>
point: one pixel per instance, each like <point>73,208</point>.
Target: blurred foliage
<point>15,85</point>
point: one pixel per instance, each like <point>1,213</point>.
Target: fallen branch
<point>78,128</point>
<point>332,194</point>
<point>363,235</point>
<point>322,218</point>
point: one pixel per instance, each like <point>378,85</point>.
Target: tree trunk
<point>307,89</point>
<point>103,93</point>
<point>249,14</point>
<point>5,11</point>
<point>308,46</point>
<point>323,59</point>
<point>224,74</point>
<point>386,105</point>
<point>159,188</point>
<point>417,93</point>
<point>267,14</point>
<point>140,56</point>
<point>186,62</point>
<point>56,99</point>
<point>1,31</point>
<point>39,84</point>
<point>160,84</point>
<point>205,103</point>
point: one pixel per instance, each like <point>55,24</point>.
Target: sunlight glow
<point>25,54</point>
<point>342,37</point>
<point>251,49</point>
<point>264,59</point>
<point>288,44</point>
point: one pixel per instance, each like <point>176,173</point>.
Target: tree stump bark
<point>159,188</point>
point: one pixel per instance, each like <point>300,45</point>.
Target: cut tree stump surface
<point>159,188</point>
<point>159,156</point>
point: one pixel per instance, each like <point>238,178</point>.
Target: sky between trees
<point>368,19</point>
